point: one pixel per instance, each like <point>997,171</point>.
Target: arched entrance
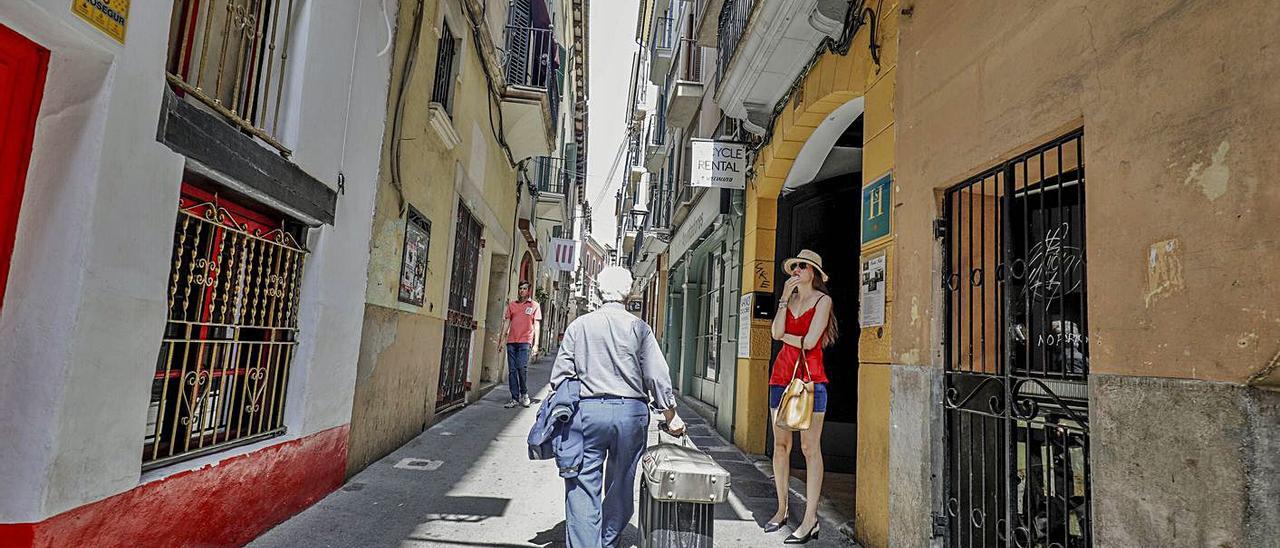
<point>819,209</point>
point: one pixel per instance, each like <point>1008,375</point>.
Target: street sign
<point>718,164</point>
<point>877,207</point>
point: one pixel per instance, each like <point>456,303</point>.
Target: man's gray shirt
<point>614,353</point>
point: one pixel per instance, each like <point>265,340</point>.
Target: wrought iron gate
<point>460,322</point>
<point>1017,353</point>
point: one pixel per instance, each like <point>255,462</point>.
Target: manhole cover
<point>419,464</point>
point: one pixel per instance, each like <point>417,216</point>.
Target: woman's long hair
<point>833,330</point>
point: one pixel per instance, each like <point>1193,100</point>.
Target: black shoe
<point>811,535</point>
<point>771,526</point>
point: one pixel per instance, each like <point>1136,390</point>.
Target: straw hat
<point>805,256</point>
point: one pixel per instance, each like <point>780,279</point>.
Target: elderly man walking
<point>622,373</point>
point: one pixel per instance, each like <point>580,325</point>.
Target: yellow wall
<point>401,348</point>
<point>833,81</point>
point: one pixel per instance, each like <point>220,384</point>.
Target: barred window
<point>223,367</point>
<point>446,56</point>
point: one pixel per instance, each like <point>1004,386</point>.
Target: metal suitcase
<point>678,493</point>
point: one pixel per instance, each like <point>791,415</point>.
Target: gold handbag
<point>796,408</point>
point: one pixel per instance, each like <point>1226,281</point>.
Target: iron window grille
<point>446,56</point>
<point>232,56</point>
<point>1017,353</point>
<point>223,368</point>
<point>734,16</point>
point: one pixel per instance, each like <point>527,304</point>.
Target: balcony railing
<point>732,24</point>
<point>549,176</point>
<point>690,60</point>
<point>664,32</point>
<point>657,132</point>
<point>531,62</point>
<point>231,55</point>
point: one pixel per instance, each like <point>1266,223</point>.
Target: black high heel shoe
<point>811,535</point>
<point>771,526</point>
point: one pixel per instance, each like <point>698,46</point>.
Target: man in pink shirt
<point>524,317</point>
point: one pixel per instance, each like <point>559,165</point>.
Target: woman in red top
<point>804,321</point>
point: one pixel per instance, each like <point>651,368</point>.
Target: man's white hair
<point>614,283</point>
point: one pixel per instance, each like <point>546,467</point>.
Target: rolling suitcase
<point>679,489</point>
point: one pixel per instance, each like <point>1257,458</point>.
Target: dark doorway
<point>823,216</point>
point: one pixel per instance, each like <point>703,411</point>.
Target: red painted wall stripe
<point>228,504</point>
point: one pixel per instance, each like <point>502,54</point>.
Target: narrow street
<point>467,481</point>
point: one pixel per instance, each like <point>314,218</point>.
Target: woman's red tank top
<point>789,356</point>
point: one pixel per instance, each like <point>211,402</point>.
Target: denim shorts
<point>819,397</point>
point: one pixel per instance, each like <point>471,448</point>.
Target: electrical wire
<point>397,121</point>
<point>856,15</point>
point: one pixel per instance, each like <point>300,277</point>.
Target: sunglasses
<point>800,266</point>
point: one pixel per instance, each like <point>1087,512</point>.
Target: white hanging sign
<point>563,253</point>
<point>718,164</point>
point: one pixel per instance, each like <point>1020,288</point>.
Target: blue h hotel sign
<point>876,205</point>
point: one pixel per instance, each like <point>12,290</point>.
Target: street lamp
<point>638,215</point>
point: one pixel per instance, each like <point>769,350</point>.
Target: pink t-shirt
<point>522,315</point>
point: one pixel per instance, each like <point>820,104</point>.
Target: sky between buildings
<point>611,39</point>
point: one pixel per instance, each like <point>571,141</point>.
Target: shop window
<point>712,301</point>
<point>413,261</point>
<point>223,368</point>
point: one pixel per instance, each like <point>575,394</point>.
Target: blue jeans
<point>614,435</point>
<point>517,369</point>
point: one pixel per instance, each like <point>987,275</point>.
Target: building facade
<point>186,212</point>
<point>1020,362</point>
<point>479,174</point>
<point>683,243</point>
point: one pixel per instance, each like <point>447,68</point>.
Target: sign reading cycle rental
<point>718,164</point>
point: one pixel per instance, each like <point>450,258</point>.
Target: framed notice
<point>744,324</point>
<point>109,16</point>
<point>871,293</point>
<point>876,209</point>
<point>413,267</point>
<point>717,164</point>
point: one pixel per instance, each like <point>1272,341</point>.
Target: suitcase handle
<point>662,429</point>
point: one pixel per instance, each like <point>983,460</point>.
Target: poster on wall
<point>872,291</point>
<point>876,209</point>
<point>718,164</point>
<point>744,324</point>
<point>413,266</point>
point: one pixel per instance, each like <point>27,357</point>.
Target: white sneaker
<point>511,404</point>
<point>524,400</point>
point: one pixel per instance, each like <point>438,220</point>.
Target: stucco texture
<point>1179,110</point>
<point>401,349</point>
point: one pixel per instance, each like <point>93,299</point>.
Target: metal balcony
<point>531,101</point>
<point>664,45</point>
<point>687,90</point>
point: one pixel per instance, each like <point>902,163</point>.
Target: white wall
<point>85,304</point>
